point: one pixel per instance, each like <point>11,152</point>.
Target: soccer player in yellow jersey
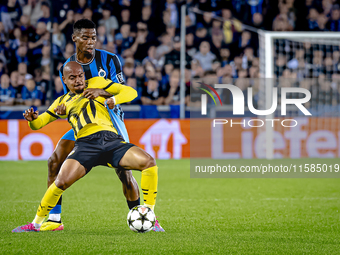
<point>97,141</point>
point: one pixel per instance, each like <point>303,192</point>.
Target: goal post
<point>274,46</point>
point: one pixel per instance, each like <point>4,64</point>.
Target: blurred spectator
<point>110,22</point>
<point>33,11</point>
<point>88,13</point>
<point>126,38</point>
<point>172,95</point>
<point>31,95</point>
<point>66,27</point>
<point>58,88</point>
<point>312,19</point>
<point>17,41</point>
<point>128,69</point>
<point>151,56</point>
<point>144,40</point>
<point>103,37</point>
<point>3,34</point>
<point>152,94</point>
<point>174,56</point>
<point>204,56</point>
<point>37,41</point>
<point>14,80</point>
<point>58,38</point>
<point>231,26</point>
<point>189,44</point>
<point>125,16</point>
<point>171,6</point>
<point>7,93</point>
<point>69,50</point>
<point>45,9</point>
<point>225,56</point>
<point>21,55</point>
<point>132,82</point>
<point>334,23</point>
<point>79,6</point>
<point>10,14</point>
<point>165,46</point>
<point>41,84</point>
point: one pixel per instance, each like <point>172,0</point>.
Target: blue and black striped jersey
<point>107,65</point>
<point>103,64</point>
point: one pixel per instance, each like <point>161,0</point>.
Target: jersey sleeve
<point>115,68</point>
<point>46,118</point>
<point>122,93</point>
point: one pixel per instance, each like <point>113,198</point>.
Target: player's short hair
<point>83,23</point>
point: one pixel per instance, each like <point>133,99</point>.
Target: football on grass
<point>141,219</point>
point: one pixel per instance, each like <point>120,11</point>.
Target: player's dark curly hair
<point>83,23</point>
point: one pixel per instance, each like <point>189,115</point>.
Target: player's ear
<point>74,37</point>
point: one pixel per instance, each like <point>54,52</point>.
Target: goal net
<point>309,60</point>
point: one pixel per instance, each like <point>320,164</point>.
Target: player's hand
<point>60,110</point>
<point>110,103</point>
<point>30,115</point>
<point>92,93</point>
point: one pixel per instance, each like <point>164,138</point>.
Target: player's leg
<point>130,187</point>
<point>63,149</point>
<point>70,172</point>
<point>138,159</point>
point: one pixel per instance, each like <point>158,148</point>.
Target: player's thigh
<point>70,172</point>
<point>136,159</point>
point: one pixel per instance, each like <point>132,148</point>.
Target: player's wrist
<point>114,99</point>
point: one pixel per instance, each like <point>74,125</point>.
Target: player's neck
<point>84,58</point>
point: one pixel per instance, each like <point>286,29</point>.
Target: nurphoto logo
<point>239,103</point>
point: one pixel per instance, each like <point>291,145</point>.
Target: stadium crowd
<point>145,36</point>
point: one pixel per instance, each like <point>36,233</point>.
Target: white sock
<point>37,222</point>
<point>36,225</point>
<point>54,217</point>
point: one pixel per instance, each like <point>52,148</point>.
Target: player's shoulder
<point>97,81</point>
<point>104,52</point>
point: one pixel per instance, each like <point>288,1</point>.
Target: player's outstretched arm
<point>36,121</point>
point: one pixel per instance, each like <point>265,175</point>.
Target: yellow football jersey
<point>87,116</point>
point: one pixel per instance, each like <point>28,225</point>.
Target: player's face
<point>75,80</point>
<point>85,40</point>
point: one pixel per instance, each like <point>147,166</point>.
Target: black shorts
<point>101,148</point>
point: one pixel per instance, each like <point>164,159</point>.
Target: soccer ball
<point>141,219</point>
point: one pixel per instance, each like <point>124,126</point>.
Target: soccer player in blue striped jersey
<point>94,63</point>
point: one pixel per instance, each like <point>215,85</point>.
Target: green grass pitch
<point>227,216</point>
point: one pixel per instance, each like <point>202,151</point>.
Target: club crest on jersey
<point>120,78</point>
<point>101,72</point>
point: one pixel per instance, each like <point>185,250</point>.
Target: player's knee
<point>62,183</point>
<point>146,162</point>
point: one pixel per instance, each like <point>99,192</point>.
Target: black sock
<point>132,204</point>
<point>60,200</point>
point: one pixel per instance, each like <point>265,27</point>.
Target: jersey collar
<point>83,64</point>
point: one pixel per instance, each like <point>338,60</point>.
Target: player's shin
<point>49,201</point>
<point>149,186</point>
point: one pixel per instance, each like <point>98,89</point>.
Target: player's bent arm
<point>122,94</point>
